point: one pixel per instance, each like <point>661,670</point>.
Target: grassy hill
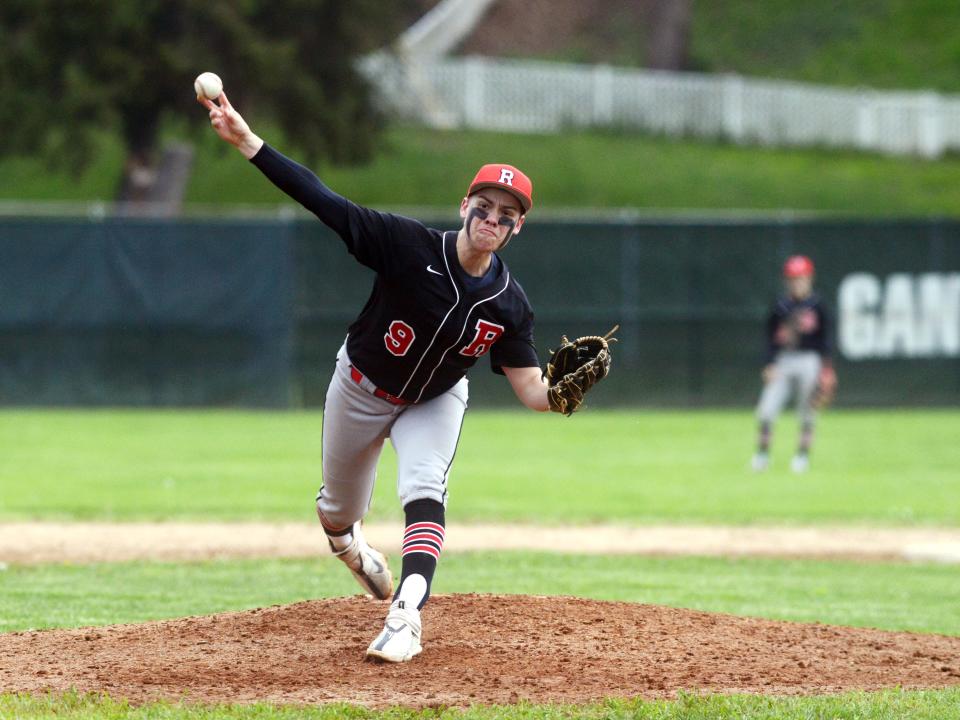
<point>419,167</point>
<point>879,43</point>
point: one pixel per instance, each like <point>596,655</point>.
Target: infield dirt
<point>86,542</point>
<point>481,649</point>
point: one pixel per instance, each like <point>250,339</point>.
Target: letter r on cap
<point>506,177</point>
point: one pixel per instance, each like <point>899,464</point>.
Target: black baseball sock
<point>806,438</point>
<point>422,543</point>
<point>763,442</point>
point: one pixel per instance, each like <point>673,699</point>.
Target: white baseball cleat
<point>760,462</point>
<point>800,463</point>
<point>399,640</point>
<point>368,566</point>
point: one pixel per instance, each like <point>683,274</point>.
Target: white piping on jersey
<point>443,251</point>
<point>506,284</point>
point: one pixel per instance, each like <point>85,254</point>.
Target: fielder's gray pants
<point>795,371</point>
<point>355,425</point>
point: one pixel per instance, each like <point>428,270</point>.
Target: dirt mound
<point>477,649</point>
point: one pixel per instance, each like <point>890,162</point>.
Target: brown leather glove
<point>575,367</point>
<point>826,388</point>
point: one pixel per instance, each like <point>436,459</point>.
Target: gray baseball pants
<point>796,370</point>
<point>355,425</point>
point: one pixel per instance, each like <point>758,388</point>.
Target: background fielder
<point>440,301</point>
<point>797,361</point>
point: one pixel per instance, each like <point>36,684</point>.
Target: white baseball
<point>208,85</point>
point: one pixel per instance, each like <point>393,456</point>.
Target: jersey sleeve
<point>515,349</point>
<point>370,236</point>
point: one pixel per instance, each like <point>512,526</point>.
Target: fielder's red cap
<point>505,177</point>
<point>798,266</point>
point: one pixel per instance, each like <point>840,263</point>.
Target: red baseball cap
<point>798,266</point>
<point>505,177</point>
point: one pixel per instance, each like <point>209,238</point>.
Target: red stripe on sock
<point>421,544</point>
<point>425,526</point>
<point>424,536</point>
<point>428,549</point>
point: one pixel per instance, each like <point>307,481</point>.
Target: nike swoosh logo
<point>435,272</point>
<point>388,633</point>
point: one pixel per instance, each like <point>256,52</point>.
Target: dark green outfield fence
<point>132,312</point>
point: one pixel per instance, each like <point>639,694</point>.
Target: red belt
<point>357,377</point>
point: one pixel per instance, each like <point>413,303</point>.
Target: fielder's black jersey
<point>798,325</point>
<point>426,321</point>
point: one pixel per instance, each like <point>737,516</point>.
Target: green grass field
<point>888,705</point>
<point>892,467</point>
<point>883,467</point>
<point>879,595</point>
<point>427,168</point>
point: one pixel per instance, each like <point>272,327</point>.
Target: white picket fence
<point>532,96</point>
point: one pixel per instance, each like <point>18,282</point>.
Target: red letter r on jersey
<point>487,334</point>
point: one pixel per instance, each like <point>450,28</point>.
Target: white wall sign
<point>902,315</point>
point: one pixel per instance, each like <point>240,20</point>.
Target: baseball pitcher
<point>440,301</point>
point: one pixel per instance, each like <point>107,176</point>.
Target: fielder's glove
<point>574,368</point>
<point>826,388</point>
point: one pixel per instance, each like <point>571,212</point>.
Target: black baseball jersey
<point>798,325</point>
<point>426,321</point>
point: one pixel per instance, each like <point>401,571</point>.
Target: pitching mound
<point>477,649</point>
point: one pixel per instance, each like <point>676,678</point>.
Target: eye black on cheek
<point>476,213</point>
